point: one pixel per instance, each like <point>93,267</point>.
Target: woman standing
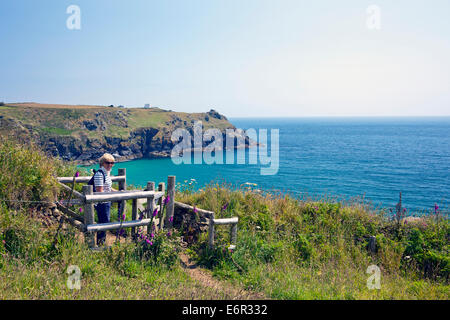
<point>103,183</point>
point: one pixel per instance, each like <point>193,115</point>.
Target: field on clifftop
<point>79,120</point>
<point>83,133</point>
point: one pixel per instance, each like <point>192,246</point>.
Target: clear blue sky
<point>242,57</point>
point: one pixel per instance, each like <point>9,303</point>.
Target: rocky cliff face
<point>85,135</point>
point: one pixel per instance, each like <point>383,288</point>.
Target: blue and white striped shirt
<point>98,180</point>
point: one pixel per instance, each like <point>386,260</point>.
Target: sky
<point>243,58</point>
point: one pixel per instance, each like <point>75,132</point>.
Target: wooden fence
<point>87,199</point>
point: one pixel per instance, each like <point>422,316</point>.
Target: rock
<point>412,220</point>
<point>158,154</point>
<point>214,114</point>
<point>90,125</point>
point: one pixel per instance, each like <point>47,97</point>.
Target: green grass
<point>292,249</point>
<point>287,248</point>
<point>57,131</point>
<point>143,118</point>
<point>32,268</point>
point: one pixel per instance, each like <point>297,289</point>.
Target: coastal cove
<point>333,158</point>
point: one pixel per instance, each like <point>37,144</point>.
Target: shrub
<point>26,174</point>
<point>303,247</point>
<point>162,248</point>
<point>22,237</point>
<point>429,252</point>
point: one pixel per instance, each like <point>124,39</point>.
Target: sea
<point>369,160</point>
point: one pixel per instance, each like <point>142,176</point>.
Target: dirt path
<point>205,278</point>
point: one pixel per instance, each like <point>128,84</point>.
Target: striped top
<point>98,180</point>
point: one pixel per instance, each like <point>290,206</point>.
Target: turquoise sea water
<point>337,158</point>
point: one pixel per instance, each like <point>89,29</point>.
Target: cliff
<point>83,133</point>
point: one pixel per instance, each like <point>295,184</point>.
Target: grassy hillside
<point>31,267</point>
<point>292,249</point>
<point>287,248</point>
<point>118,122</point>
<point>82,134</point>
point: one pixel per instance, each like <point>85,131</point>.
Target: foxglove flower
<point>166,200</point>
<point>436,208</point>
<point>155,212</point>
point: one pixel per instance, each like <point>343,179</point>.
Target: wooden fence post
<point>123,183</point>
<point>134,211</point>
<point>171,204</point>
<point>372,246</point>
<point>233,233</point>
<point>150,204</point>
<point>211,232</point>
<point>122,187</point>
<point>89,217</point>
<point>161,188</point>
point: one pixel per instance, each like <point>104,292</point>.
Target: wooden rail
<point>117,225</point>
<point>119,178</point>
<point>122,195</point>
<point>213,222</point>
<point>226,221</point>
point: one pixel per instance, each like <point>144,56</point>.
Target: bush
<point>429,252</point>
<point>303,247</point>
<point>26,174</point>
<point>22,237</point>
<point>161,249</point>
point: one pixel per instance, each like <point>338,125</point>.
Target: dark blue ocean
<point>334,158</point>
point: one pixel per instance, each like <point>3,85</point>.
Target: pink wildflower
<point>166,200</point>
<point>436,208</point>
